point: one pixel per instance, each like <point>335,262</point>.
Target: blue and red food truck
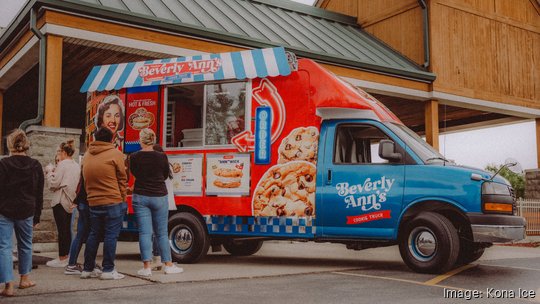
<point>263,146</point>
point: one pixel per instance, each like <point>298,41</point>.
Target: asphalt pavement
<point>292,272</point>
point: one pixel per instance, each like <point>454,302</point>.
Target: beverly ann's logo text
<point>368,196</point>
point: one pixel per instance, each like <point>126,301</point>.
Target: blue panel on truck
<point>296,227</point>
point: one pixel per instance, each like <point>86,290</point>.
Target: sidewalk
<point>275,259</point>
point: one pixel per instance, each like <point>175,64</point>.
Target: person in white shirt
<point>63,181</point>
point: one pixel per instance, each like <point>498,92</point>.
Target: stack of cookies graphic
<point>228,177</point>
<point>288,188</point>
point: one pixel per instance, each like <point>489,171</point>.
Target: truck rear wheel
<point>188,238</point>
<point>242,248</point>
<point>429,243</point>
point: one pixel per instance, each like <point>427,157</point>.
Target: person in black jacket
<point>21,201</point>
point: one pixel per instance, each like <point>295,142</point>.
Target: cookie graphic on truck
<point>286,190</point>
<point>300,144</point>
<point>228,177</point>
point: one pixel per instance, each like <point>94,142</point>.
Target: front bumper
<point>495,228</point>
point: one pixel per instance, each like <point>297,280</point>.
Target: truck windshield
<point>427,153</point>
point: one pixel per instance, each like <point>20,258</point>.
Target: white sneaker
<point>145,272</point>
<point>57,263</point>
<point>173,269</point>
<point>15,258</point>
<point>113,275</point>
<point>90,274</point>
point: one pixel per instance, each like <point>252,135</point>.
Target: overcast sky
<point>476,148</point>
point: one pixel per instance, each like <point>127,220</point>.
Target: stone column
<point>44,143</point>
<point>532,184</point>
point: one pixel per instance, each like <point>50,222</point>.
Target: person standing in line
<point>150,202</point>
<point>105,178</point>
<point>63,182</point>
<point>21,201</point>
<point>83,230</point>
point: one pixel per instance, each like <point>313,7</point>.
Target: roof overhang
<point>105,13</point>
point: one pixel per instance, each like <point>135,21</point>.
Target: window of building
<point>358,144</point>
<point>202,115</point>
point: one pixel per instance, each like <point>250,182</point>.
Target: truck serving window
<point>202,115</point>
<point>358,144</point>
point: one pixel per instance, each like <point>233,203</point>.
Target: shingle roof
<point>307,31</point>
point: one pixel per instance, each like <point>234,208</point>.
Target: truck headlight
<point>497,198</point>
<point>495,189</point>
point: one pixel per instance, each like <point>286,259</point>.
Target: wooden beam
<point>131,32</point>
<point>387,13</point>
<point>12,50</point>
<point>374,77</point>
<point>459,5</point>
<point>53,84</point>
<point>538,142</point>
<point>432,123</point>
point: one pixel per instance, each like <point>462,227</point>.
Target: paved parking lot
<point>285,272</point>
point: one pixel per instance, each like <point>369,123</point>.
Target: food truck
<point>263,146</point>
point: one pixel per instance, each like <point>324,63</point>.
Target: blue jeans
<point>83,230</point>
<point>23,232</point>
<point>152,215</point>
<point>106,222</point>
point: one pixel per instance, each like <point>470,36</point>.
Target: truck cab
<point>392,187</point>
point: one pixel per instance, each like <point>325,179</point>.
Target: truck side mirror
<point>387,151</point>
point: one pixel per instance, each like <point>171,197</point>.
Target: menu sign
<point>227,174</point>
<point>187,174</point>
<point>141,112</point>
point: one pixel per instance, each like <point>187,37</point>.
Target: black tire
<point>429,243</point>
<point>469,252</point>
<point>242,248</point>
<point>188,238</point>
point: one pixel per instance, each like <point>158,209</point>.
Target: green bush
<point>516,180</point>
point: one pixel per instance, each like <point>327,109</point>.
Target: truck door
<point>361,193</point>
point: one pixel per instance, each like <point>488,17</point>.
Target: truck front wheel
<point>429,243</point>
<point>188,238</point>
<point>242,248</point>
<point>469,252</point>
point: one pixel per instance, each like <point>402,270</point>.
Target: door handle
<point>329,177</point>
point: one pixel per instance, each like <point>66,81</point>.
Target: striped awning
<point>249,64</point>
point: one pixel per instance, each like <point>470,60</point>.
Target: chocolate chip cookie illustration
<point>286,190</point>
<point>300,144</point>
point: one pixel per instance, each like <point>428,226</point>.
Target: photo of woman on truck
<point>110,114</point>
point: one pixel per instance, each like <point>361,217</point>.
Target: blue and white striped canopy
<point>250,64</point>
